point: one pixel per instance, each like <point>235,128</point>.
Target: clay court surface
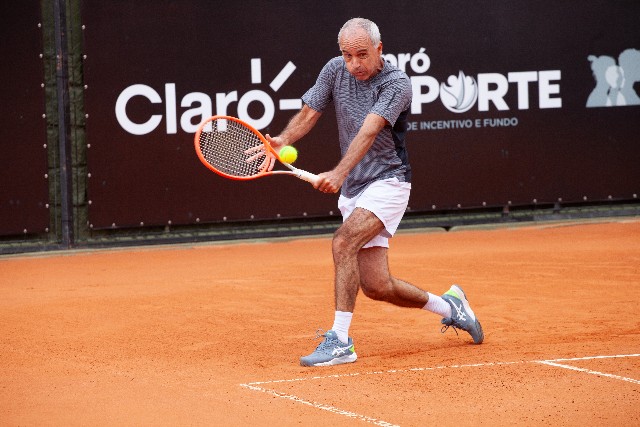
<point>205,335</point>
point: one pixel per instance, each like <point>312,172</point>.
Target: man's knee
<point>359,228</point>
<point>344,243</point>
<point>378,291</point>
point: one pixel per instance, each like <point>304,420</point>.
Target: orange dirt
<point>211,334</point>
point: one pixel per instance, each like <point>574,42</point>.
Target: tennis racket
<point>234,149</point>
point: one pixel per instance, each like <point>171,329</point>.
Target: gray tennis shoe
<point>331,351</point>
<point>462,317</point>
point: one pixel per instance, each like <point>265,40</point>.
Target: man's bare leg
<point>378,284</point>
<point>355,232</point>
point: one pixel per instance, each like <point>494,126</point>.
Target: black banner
<point>24,187</point>
<point>515,102</point>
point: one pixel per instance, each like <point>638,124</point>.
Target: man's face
<point>360,55</point>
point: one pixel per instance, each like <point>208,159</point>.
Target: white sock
<point>437,305</point>
<point>341,324</point>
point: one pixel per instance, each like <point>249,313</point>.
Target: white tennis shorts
<point>387,200</point>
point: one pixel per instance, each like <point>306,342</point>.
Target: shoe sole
<point>337,361</point>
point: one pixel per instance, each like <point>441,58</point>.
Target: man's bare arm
<point>298,126</point>
<point>330,182</point>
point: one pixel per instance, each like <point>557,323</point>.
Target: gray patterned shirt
<point>387,94</point>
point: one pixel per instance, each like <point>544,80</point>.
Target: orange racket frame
<point>269,152</point>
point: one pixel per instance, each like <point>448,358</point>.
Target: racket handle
<point>306,176</point>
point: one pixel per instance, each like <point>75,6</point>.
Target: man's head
<point>359,41</point>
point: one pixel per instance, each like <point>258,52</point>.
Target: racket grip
<point>306,176</point>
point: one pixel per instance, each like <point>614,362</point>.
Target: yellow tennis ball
<point>288,154</point>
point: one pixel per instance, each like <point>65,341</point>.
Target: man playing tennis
<point>372,100</point>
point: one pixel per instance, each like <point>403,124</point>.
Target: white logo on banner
<point>614,82</point>
<point>486,91</point>
<point>460,93</point>
<point>200,105</point>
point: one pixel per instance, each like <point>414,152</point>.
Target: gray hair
<point>369,26</point>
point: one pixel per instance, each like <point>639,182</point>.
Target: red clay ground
<point>211,334</point>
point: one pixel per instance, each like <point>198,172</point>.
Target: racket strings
<point>224,143</point>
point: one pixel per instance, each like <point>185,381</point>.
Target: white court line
<point>590,371</point>
<point>590,358</point>
<point>322,406</point>
<point>552,362</point>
